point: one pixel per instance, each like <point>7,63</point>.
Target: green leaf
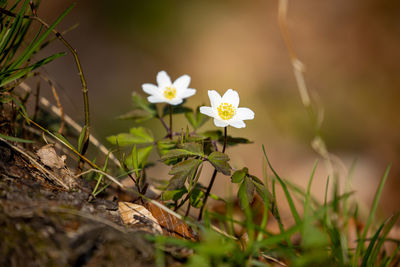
<point>135,160</point>
<point>140,102</point>
<point>237,176</point>
<point>371,216</point>
<point>142,134</point>
<point>33,48</point>
<point>186,150</point>
<point>178,109</point>
<point>174,195</point>
<point>368,252</point>
<point>389,223</point>
<point>18,73</point>
<point>81,138</point>
<point>64,140</point>
<point>289,198</point>
<point>196,119</point>
<point>138,135</point>
<point>245,193</point>
<point>143,154</point>
<point>231,141</point>
<point>195,148</point>
<point>15,139</point>
<point>137,116</point>
<point>197,196</point>
<point>220,162</point>
<point>213,135</point>
<point>264,194</point>
<point>181,171</point>
<point>217,135</point>
<point>164,146</point>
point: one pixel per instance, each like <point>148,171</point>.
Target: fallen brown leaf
<point>170,224</point>
<point>134,214</point>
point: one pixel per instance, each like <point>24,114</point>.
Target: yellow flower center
<point>170,92</point>
<point>226,111</point>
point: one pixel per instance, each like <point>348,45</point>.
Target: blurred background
<point>349,48</point>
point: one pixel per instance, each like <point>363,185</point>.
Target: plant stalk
<point>212,179</point>
<point>170,122</point>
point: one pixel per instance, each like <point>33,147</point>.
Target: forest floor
<point>42,224</point>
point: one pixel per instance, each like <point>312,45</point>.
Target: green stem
<point>170,121</point>
<point>85,142</point>
<point>212,179</point>
<point>225,138</point>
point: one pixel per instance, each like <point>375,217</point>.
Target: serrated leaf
<point>186,150</point>
<point>174,195</point>
<point>238,176</point>
<point>220,162</point>
<point>181,171</point>
<point>164,146</point>
<point>195,148</point>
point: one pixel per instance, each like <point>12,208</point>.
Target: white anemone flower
<point>168,92</point>
<point>225,110</point>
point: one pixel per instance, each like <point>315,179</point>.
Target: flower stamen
<point>170,92</point>
<point>226,111</point>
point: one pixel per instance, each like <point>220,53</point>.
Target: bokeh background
<point>350,49</point>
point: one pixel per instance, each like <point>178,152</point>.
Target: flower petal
<point>220,123</point>
<point>244,114</point>
<point>155,99</point>
<point>163,79</point>
<point>175,101</point>
<point>231,97</point>
<point>237,124</point>
<point>186,93</point>
<point>182,82</point>
<point>207,111</point>
<point>215,98</point>
<point>150,89</point>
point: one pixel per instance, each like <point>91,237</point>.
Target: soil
<point>43,224</point>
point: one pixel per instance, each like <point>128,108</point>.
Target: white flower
<point>168,92</point>
<point>225,110</point>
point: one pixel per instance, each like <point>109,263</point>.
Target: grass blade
<point>371,216</point>
<point>285,190</point>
